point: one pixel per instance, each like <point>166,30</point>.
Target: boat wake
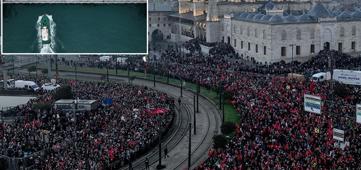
<point>46,47</point>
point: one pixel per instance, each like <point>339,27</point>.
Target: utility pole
<point>181,92</point>
<point>198,91</point>
<point>194,114</point>
<point>108,71</point>
<point>189,146</point>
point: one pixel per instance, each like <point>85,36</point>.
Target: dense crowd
<point>274,130</point>
<point>108,136</point>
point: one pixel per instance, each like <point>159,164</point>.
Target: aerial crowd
<point>107,137</point>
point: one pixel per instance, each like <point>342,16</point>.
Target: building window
<point>157,25</point>
<point>150,25</point>
<point>164,25</point>
<point>241,44</point>
<point>249,46</point>
<point>264,34</point>
<point>298,50</point>
<point>235,42</point>
<point>283,51</point>
<point>248,31</point>
<point>298,34</point>
<point>312,49</point>
<point>312,34</point>
<point>234,29</point>
<point>283,35</point>
<point>264,50</point>
<point>342,31</point>
<point>340,47</point>
<point>353,45</point>
<point>256,48</point>
<point>222,39</point>
<point>240,30</point>
<point>158,18</point>
<point>353,30</point>
<point>256,33</point>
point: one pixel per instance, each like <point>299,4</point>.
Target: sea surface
<point>79,28</point>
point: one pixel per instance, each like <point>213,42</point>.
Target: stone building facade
<point>272,37</point>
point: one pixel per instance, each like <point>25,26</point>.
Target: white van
<point>320,77</point>
<point>49,87</point>
<point>28,85</point>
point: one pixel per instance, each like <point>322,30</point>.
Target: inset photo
<point>53,28</point>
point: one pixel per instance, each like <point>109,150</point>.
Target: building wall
<point>290,36</point>
<point>160,21</point>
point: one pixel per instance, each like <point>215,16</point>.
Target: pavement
<point>208,122</point>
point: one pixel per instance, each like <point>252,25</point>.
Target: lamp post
<point>160,166</point>
<point>128,69</point>
<point>107,63</point>
<point>189,145</point>
<point>145,66</point>
<point>194,113</point>
<point>181,92</point>
<point>292,60</point>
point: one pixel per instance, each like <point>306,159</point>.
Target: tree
<point>31,69</point>
<point>219,141</point>
<point>44,71</point>
<point>63,92</point>
<point>228,127</point>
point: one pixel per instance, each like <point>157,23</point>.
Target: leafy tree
<point>44,71</point>
<point>219,141</point>
<point>63,92</point>
<point>228,127</point>
<point>31,69</point>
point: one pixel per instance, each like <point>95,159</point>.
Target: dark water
<point>90,28</point>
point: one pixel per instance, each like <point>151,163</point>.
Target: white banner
<point>312,104</point>
<point>358,113</point>
<point>338,134</point>
<point>347,76</point>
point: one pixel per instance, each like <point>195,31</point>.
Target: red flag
<point>312,86</point>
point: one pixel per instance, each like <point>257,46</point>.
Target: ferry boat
<point>45,29</point>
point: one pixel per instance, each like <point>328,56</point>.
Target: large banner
<point>347,76</point>
<point>312,103</point>
<point>358,113</point>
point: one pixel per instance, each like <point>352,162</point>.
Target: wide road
<point>208,122</point>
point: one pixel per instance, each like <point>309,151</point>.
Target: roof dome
<point>258,16</point>
<point>305,18</point>
<point>291,18</point>
<point>250,16</point>
<point>318,10</point>
<point>344,16</point>
<point>269,5</point>
<point>266,17</point>
<point>243,15</point>
<point>356,15</point>
<point>276,18</point>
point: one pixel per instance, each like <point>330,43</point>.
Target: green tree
<point>44,71</point>
<point>31,69</point>
<point>228,127</point>
<point>63,92</point>
<point>219,141</point>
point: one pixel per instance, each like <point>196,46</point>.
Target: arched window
<point>240,30</point>
<point>298,34</point>
<point>342,31</point>
<point>248,31</point>
<point>312,34</point>
<point>283,35</point>
<point>264,34</point>
<point>353,30</point>
<point>256,33</point>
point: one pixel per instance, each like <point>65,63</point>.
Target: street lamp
<point>145,66</point>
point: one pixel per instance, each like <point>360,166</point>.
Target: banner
<point>347,76</point>
<point>312,104</point>
<point>338,134</point>
<point>358,113</point>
